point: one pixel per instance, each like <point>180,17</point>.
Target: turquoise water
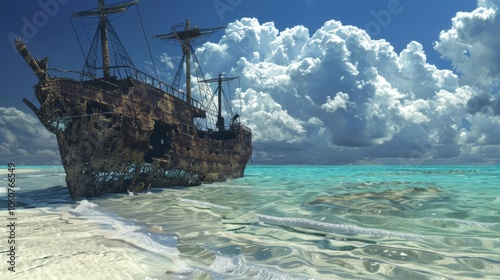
<point>280,222</point>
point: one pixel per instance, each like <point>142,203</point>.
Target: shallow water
<point>278,222</point>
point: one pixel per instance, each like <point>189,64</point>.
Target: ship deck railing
<point>124,72</point>
<point>247,129</point>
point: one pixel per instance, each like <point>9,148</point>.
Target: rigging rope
<point>241,102</point>
<point>77,38</point>
<point>228,99</point>
<point>84,28</point>
<point>147,42</point>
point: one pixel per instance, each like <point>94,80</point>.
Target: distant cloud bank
<point>24,140</point>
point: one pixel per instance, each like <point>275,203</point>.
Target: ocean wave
<point>203,204</point>
<point>29,176</point>
<point>3,190</point>
<point>126,231</point>
<point>224,267</point>
<point>342,229</point>
<point>226,186</point>
<point>37,175</point>
<point>465,223</point>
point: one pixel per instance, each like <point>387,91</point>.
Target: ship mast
<point>186,50</point>
<point>185,37</point>
<point>219,80</point>
<point>102,12</point>
<point>104,39</point>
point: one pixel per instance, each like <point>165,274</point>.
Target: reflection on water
<point>290,222</point>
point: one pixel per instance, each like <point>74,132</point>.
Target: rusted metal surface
<point>118,135</point>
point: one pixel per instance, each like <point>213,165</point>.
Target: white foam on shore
<point>341,229</point>
<point>203,204</point>
<point>124,231</point>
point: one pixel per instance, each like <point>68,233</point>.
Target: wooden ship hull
<point>113,136</point>
<point>133,133</point>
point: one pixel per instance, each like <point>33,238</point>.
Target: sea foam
<point>470,224</point>
<point>341,229</point>
<point>125,230</point>
<point>238,267</point>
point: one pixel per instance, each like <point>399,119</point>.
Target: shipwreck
<point>119,128</point>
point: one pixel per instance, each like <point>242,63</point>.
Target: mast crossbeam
<point>108,10</point>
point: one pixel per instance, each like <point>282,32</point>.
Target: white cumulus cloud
<point>472,44</point>
<point>337,92</point>
<point>340,101</point>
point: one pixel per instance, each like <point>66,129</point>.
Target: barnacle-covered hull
<point>123,135</point>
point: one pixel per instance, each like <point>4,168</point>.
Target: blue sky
<point>360,81</point>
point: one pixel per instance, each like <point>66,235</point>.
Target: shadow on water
<point>55,195</point>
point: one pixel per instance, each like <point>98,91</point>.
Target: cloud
<point>335,95</point>
<point>472,46</point>
<point>268,120</point>
<point>340,101</point>
<point>339,93</point>
<point>23,139</point>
